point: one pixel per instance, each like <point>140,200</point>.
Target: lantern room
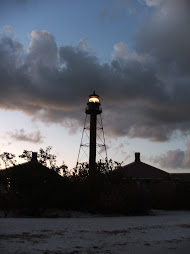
<point>93,105</point>
<point>94,98</point>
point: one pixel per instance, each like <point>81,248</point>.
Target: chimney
<point>34,157</point>
<point>137,157</point>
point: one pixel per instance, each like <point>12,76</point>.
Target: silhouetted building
<point>162,189</point>
<point>182,177</point>
<point>141,170</point>
<point>30,177</point>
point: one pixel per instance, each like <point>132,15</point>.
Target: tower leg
<point>92,154</point>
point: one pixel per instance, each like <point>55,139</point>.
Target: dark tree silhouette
<point>46,158</point>
<point>27,155</point>
<point>102,167</point>
<point>7,159</point>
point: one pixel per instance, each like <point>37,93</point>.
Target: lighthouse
<point>93,131</point>
<point>93,109</point>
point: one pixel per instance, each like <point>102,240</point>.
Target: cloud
<point>21,135</point>
<point>165,35</point>
<point>83,46</point>
<point>42,51</point>
<point>175,159</point>
<point>151,3</point>
<point>8,30</point>
<point>122,53</point>
<point>144,91</point>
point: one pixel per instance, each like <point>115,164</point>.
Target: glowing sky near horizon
<point>134,54</point>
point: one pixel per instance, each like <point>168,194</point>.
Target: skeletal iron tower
<point>93,131</point>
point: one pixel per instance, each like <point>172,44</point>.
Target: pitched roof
<point>30,170</point>
<point>138,169</point>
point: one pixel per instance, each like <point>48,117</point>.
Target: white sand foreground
<point>166,232</point>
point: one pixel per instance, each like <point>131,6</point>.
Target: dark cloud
<point>22,135</point>
<point>165,35</point>
<point>144,92</point>
<point>175,159</point>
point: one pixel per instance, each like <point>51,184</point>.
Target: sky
<point>134,53</point>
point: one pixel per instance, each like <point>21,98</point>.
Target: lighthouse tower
<point>93,130</point>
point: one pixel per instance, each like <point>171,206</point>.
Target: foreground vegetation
<point>32,188</point>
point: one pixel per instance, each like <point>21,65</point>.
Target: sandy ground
<point>166,232</point>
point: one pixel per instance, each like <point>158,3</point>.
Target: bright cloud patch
<point>175,159</point>
<point>22,135</point>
